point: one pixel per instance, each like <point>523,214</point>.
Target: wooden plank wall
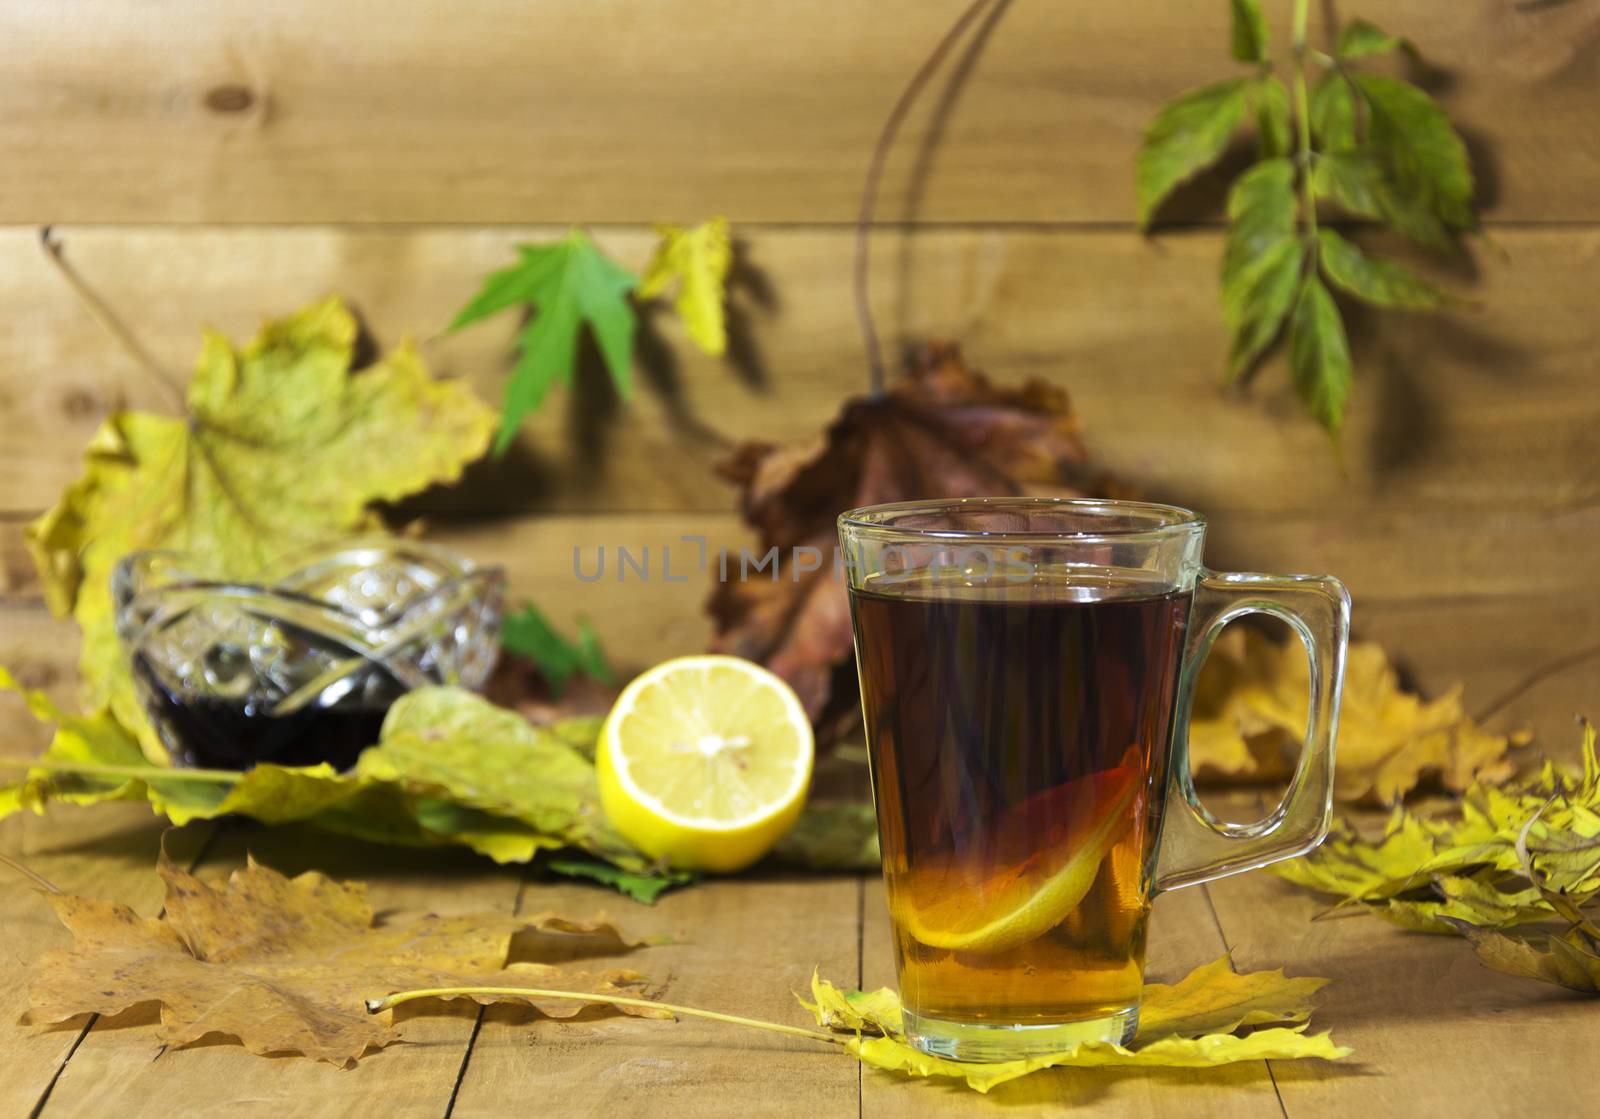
<point>217,162</point>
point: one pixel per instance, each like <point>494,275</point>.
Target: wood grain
<point>125,1071</point>
<point>1488,408</point>
<point>109,853</point>
<point>41,652</point>
<point>741,946</point>
<point>1183,936</point>
<point>601,110</point>
<point>1431,1027</point>
<point>569,564</point>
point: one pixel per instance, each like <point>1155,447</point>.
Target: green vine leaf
<point>1249,31</point>
<point>1319,355</point>
<point>1272,117</point>
<point>1349,180</point>
<point>1421,151</point>
<point>1374,280</point>
<point>1333,114</point>
<point>1261,212</point>
<point>1262,261</point>
<point>1370,145</point>
<point>1187,136</point>
<point>568,284</point>
<point>1360,39</point>
<point>1255,302</point>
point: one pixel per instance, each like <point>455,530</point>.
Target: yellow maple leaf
<point>699,258</point>
<point>1189,1024</point>
<point>282,446</point>
<point>283,964</point>
<point>1250,710</point>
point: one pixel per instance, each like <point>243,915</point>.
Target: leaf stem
<point>32,875</point>
<point>137,772</point>
<point>102,314</point>
<point>869,190</point>
<point>1302,111</point>
<point>1534,678</point>
<point>377,1006</point>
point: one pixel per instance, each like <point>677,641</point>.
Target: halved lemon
<point>963,904</point>
<point>704,762</point>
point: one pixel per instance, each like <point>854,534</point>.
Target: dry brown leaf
<point>943,430</point>
<point>283,964</point>
<point>1250,713</point>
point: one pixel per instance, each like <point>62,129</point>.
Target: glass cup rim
<point>1149,520</point>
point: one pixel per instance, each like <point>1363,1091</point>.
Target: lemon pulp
<point>955,903</point>
<point>704,762</point>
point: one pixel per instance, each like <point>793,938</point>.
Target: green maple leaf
<point>528,633</point>
<point>567,284</point>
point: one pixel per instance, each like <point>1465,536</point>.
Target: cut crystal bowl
<point>299,665</point>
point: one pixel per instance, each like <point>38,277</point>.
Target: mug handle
<point>1197,847</point>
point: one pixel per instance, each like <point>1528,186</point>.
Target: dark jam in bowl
<point>212,733</point>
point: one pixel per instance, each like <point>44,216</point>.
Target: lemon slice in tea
<point>958,904</point>
<point>704,762</point>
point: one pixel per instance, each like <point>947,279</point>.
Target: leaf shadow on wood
<point>134,1018</point>
<point>1486,173</point>
<point>529,1017</point>
<point>522,476</point>
<point>661,371</point>
<point>132,844</point>
<point>292,849</point>
<point>751,295</point>
<point>1086,1087</point>
<point>1405,354</point>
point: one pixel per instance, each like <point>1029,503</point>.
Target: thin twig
<point>1534,678</point>
<point>377,1006</point>
<point>869,190</point>
<point>132,772</point>
<point>32,875</point>
<point>102,314</point>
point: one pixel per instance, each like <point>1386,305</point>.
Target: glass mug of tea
<point>1027,667</point>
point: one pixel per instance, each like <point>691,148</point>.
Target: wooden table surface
<point>1434,1033</point>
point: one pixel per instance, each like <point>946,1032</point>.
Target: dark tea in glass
<point>1024,669</point>
<point>1019,740</point>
